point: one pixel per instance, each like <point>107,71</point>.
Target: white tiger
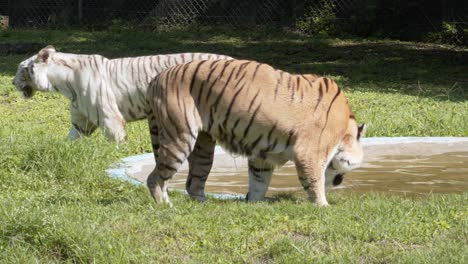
<point>103,93</point>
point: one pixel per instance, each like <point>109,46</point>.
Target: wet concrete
<point>406,165</point>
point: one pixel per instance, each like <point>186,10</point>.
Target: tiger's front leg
<point>114,128</point>
<point>311,173</point>
<point>260,173</point>
<point>81,126</point>
<point>200,163</point>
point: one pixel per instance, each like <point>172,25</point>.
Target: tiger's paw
<point>74,134</point>
<point>198,198</point>
<point>320,202</point>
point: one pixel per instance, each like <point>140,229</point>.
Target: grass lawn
<point>58,205</point>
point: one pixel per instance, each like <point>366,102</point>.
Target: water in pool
<point>410,174</point>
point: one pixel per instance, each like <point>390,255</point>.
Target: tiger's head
<point>349,154</point>
<point>31,74</point>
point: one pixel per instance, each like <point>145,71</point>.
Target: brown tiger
<point>252,109</point>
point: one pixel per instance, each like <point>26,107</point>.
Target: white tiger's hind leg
<point>260,173</point>
<point>200,163</point>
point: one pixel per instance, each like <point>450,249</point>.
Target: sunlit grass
<point>58,205</point>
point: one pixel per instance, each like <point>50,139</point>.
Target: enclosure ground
<point>57,203</point>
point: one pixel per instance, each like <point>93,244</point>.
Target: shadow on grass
<point>370,66</point>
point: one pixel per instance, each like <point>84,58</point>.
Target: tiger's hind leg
<point>260,173</point>
<point>200,163</point>
<point>154,132</point>
<point>169,158</point>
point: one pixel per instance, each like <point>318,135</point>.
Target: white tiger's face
<point>349,156</point>
<point>22,80</point>
<point>31,74</point>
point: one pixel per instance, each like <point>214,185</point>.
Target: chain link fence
<point>40,13</point>
<point>361,17</point>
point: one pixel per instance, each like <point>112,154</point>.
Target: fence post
<point>80,11</point>
<point>252,13</point>
<point>9,13</point>
<point>289,17</point>
<point>298,9</point>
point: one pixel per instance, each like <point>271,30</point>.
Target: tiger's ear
<point>362,129</point>
<point>44,53</point>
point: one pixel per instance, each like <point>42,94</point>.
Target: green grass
<point>58,205</point>
<point>399,88</point>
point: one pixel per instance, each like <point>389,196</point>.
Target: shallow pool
<point>442,173</point>
<point>391,165</point>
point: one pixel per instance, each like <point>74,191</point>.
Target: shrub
<point>319,19</point>
<point>450,33</point>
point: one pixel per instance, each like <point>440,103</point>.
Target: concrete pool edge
<point>120,173</point>
<point>120,169</point>
<point>406,140</point>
